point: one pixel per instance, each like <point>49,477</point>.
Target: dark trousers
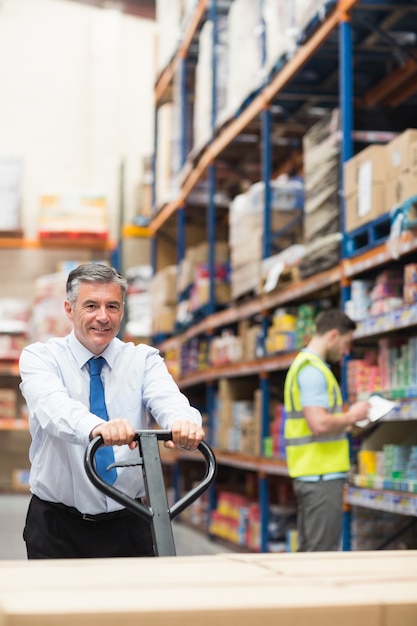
<point>56,532</point>
<point>319,514</point>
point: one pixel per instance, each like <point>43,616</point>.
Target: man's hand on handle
<point>185,434</point>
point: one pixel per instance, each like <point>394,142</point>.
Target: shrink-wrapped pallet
<point>321,152</point>
<point>244,53</point>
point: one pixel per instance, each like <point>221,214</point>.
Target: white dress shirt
<point>56,386</point>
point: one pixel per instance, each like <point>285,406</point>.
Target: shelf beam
<point>254,109</point>
<point>280,361</point>
<point>297,290</point>
<point>58,242</point>
<point>167,75</point>
<point>379,255</point>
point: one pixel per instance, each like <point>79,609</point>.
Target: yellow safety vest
<point>308,454</point>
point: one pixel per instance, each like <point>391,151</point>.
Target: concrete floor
<point>13,509</point>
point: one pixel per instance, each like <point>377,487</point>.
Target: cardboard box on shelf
<point>163,320</point>
<point>14,453</point>
<point>200,253</point>
<point>246,251</point>
<point>197,255</point>
<point>248,227</point>
<point>365,176</point>
<point>402,188</point>
<point>201,293</point>
<point>367,167</point>
<point>8,404</point>
<point>365,206</point>
<point>413,155</point>
<point>163,286</point>
<point>401,153</point>
<point>245,278</point>
<point>364,588</point>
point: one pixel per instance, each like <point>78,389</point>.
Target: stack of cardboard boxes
<point>402,168</point>
<point>163,293</point>
<point>379,178</point>
<point>247,229</point>
<point>362,588</point>
<point>238,421</point>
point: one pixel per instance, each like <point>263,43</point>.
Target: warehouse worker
<point>317,447</point>
<point>68,517</point>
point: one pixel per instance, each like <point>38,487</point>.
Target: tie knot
<point>96,365</point>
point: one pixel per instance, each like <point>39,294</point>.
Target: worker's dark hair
<point>93,273</point>
<point>334,319</point>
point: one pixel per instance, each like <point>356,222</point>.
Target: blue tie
<point>104,455</point>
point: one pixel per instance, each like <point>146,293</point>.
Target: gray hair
<point>93,273</point>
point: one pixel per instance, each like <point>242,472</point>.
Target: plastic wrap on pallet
<point>204,79</point>
<point>181,136</point>
<point>286,22</point>
<point>168,21</point>
<point>203,87</point>
<point>245,70</point>
<point>163,154</point>
<point>280,32</point>
<point>321,255</point>
<point>306,11</point>
<point>321,152</point>
<point>138,302</point>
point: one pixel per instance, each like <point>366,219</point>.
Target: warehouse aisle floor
<point>13,509</point>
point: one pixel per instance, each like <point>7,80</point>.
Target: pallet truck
<point>157,511</point>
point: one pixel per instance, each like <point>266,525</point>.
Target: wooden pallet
<point>368,236</point>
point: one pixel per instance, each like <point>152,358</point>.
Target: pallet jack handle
<point>158,514</point>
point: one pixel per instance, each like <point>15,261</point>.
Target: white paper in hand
<point>379,407</point>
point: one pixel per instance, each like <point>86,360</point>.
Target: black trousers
<point>56,532</point>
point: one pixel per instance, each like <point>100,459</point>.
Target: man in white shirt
<point>68,517</point>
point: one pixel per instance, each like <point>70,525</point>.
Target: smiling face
<point>96,314</point>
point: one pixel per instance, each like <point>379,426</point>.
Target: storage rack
<point>343,60</point>
<point>14,431</point>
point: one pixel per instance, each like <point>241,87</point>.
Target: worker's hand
<point>185,434</point>
<point>116,433</point>
<point>358,411</point>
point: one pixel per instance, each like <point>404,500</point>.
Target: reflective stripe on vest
<point>309,454</point>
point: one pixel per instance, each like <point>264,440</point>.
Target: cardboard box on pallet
<point>315,589</point>
<point>364,187</point>
<point>402,153</point>
<point>163,287</point>
<point>196,255</point>
<point>163,319</point>
<point>401,189</point>
<point>362,208</point>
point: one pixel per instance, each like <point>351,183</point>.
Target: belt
<point>99,517</point>
<point>324,477</point>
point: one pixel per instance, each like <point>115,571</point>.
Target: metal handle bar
<point>133,505</point>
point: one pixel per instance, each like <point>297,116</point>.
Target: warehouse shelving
<point>296,291</point>
<point>14,431</point>
<point>57,242</point>
<point>383,500</point>
<point>250,368</point>
<point>345,60</point>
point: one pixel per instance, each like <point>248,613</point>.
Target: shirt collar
<point>317,355</point>
<point>82,355</point>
